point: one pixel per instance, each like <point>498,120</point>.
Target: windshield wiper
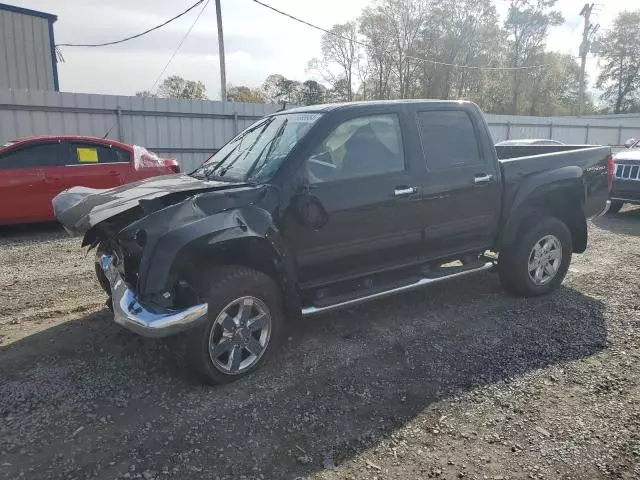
<point>246,151</point>
<point>271,144</point>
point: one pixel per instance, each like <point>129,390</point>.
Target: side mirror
<point>629,143</point>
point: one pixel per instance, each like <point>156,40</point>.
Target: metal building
<point>27,49</point>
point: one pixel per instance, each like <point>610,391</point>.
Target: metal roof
<point>26,11</point>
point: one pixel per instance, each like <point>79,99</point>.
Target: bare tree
<point>339,56</point>
<point>404,20</point>
<point>374,27</point>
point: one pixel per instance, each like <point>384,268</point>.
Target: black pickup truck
<point>323,207</point>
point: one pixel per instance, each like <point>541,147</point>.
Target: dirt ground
<point>454,381</point>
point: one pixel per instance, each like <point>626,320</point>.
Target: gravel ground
<point>455,381</point>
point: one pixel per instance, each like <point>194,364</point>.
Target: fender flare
<point>534,194</point>
<point>249,222</point>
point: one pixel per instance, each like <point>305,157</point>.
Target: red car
<point>33,170</point>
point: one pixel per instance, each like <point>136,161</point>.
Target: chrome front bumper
<point>128,312</point>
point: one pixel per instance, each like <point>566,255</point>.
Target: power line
<point>175,52</point>
<point>132,36</point>
<point>435,62</point>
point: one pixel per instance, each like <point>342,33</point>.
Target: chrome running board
<point>313,310</point>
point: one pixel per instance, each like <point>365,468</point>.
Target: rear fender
<point>558,193</point>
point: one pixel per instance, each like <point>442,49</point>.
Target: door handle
<point>404,191</point>
<point>482,179</point>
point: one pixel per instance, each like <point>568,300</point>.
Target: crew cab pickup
<point>324,207</point>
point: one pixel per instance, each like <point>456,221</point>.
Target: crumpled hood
<point>81,208</point>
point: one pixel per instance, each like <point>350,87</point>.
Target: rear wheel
<point>615,206</point>
<point>244,327</point>
<point>538,260</point>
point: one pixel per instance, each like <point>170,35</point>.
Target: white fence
<point>609,130</point>
<point>192,130</point>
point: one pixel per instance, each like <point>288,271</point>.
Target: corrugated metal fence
<point>193,130</point>
<point>187,130</point>
<point>608,130</point>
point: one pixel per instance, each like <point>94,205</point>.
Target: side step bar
<point>314,310</point>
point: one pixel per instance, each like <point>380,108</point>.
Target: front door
<point>362,204</point>
<point>461,187</point>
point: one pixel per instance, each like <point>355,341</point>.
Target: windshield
<point>257,153</point>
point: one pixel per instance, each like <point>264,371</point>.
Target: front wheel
<point>538,260</point>
<point>244,327</point>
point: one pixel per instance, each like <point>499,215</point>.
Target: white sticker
<point>306,117</point>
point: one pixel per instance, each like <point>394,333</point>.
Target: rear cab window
<point>449,139</point>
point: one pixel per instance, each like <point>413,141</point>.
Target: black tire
<point>615,207</point>
<point>513,261</point>
<point>227,285</point>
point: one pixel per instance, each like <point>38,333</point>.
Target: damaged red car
<point>33,170</point>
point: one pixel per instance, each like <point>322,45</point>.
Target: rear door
<point>461,188</point>
<point>363,207</point>
<point>25,195</point>
<point>93,165</point>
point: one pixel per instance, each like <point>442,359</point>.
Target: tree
<point>146,94</point>
<point>404,22</point>
<point>620,68</point>
<point>177,87</point>
<point>278,89</point>
<point>241,93</point>
<point>312,93</point>
<point>375,30</point>
<point>339,48</point>
<point>527,25</point>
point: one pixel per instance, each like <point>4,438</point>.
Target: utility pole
<point>588,33</point>
<point>223,73</point>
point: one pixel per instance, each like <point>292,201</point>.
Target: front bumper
<point>129,312</point>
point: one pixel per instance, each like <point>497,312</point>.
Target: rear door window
<point>448,139</point>
<point>33,156</point>
<point>90,154</point>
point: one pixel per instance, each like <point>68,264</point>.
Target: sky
<point>258,42</point>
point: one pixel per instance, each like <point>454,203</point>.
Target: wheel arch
<point>253,242</point>
<point>557,193</point>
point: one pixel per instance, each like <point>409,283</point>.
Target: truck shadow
<point>625,222</point>
<point>31,233</point>
<point>342,383</point>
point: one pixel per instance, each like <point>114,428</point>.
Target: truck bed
<point>521,161</point>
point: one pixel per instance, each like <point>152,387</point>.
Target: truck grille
<point>627,172</point>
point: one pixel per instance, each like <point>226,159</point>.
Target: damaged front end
<point>142,234</point>
<point>129,312</point>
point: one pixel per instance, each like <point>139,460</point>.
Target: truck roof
<point>327,107</point>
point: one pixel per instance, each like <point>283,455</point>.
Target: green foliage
<point>409,49</point>
<point>177,87</point>
<point>620,64</point>
<point>245,94</point>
